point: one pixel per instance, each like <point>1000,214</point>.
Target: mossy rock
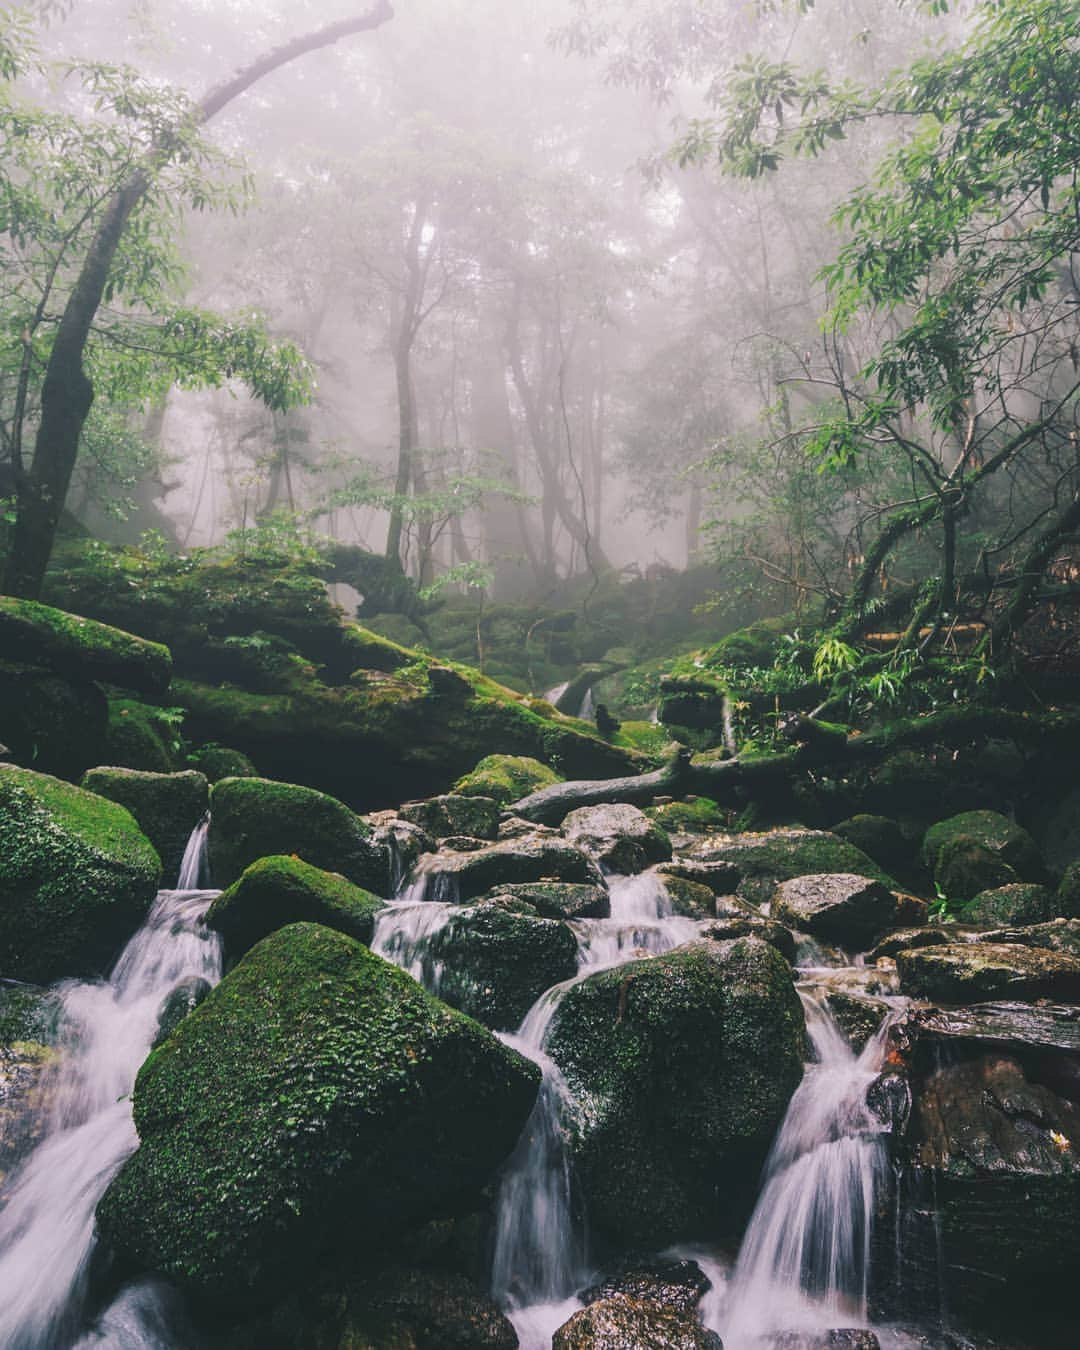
<point>680,1069</point>
<point>621,1322</point>
<point>1021,903</point>
<point>29,1021</point>
<point>497,958</point>
<point>50,723</point>
<point>460,877</point>
<point>1069,892</point>
<point>691,899</point>
<point>426,1309</point>
<point>695,815</point>
<point>506,778</point>
<point>837,907</point>
<point>755,645</point>
<point>317,1099</point>
<point>765,860</point>
<point>252,818</point>
<point>471,815</point>
<point>135,739</point>
<point>558,899</point>
<point>964,867</point>
<point>166,807</point>
<point>857,1016</point>
<point>910,784</point>
<point>1002,836</point>
<point>216,762</point>
<point>81,648</point>
<point>620,837</point>
<point>887,842</point>
<point>278,891</point>
<point>77,877</point>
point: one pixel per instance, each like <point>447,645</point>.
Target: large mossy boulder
<point>1021,903</point>
<point>974,972</point>
<point>77,877</point>
<point>762,861</point>
<point>58,725</point>
<point>166,807</point>
<point>317,1099</point>
<point>965,868</point>
<point>137,738</point>
<point>254,818</point>
<point>459,877</point>
<point>81,648</point>
<point>837,906</point>
<point>993,831</point>
<point>498,956</point>
<point>621,838</point>
<point>680,1068</point>
<point>559,899</point>
<point>275,892</point>
<point>506,778</point>
<point>474,816</point>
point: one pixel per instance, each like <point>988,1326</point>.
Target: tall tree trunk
<point>67,393</point>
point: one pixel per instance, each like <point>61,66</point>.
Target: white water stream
<point>47,1204</point>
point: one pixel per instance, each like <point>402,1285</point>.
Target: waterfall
<point>194,866</point>
<point>403,933</point>
<point>47,1203</point>
<point>805,1258</point>
<point>587,711</point>
<point>553,695</point>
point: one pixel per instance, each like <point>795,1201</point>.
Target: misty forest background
<point>562,332</point>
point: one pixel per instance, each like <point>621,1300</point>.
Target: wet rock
<point>857,1017</point>
<point>732,926</point>
<point>166,807</point>
<point>691,899</point>
<point>317,1098</point>
<point>475,816</point>
<point>253,818</point>
<point>29,1021</point>
<point>623,1323</point>
<point>498,956</point>
<point>535,857</point>
<point>620,838</point>
<point>275,892</point>
<point>1017,1026</point>
<point>910,940</point>
<point>184,999</point>
<point>677,1284</point>
<point>1001,836</point>
<point>839,907</point>
<point>403,845</point>
<point>515,827</point>
<point>680,1069</point>
<point>1021,903</point>
<point>980,971</point>
<point>763,861</point>
<point>559,899</point>
<point>842,1338</point>
<point>77,877</point>
<point>1059,935</point>
<point>506,778</point>
<point>720,877</point>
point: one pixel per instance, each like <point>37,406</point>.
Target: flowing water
<point>47,1204</point>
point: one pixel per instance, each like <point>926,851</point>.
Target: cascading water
<point>587,711</point>
<point>805,1258</point>
<point>47,1204</point>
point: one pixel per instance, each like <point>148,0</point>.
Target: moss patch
<point>506,778</point>
<point>71,645</point>
<point>166,807</point>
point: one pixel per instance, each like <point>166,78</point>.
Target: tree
<point>167,142</point>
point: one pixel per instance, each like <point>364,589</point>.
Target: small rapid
<point>107,1029</point>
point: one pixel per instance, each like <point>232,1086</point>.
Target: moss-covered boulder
<point>974,972</point>
<point>763,861</point>
<point>136,738</point>
<point>693,815</point>
<point>77,877</point>
<point>506,778</point>
<point>621,1322</point>
<point>964,868</point>
<point>730,926</point>
<point>621,838</point>
<point>318,1098</point>
<point>559,899</point>
<point>675,1282</point>
<point>29,1019</point>
<point>78,647</point>
<point>218,761</point>
<point>498,956</point>
<point>857,1015</point>
<point>277,891</point>
<point>424,1310</point>
<point>474,816</point>
<point>166,807</point>
<point>254,818</point>
<point>996,833</point>
<point>1059,935</point>
<point>680,1068</point>
<point>836,906</point>
<point>890,844</point>
<point>1021,903</point>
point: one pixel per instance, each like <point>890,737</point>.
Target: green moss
<point>681,1067</point>
<point>254,818</point>
<point>454,814</point>
<point>696,815</point>
<point>999,834</point>
<point>277,891</point>
<point>317,1099</point>
<point>76,878</point>
<point>50,723</point>
<point>764,860</point>
<point>506,778</point>
<point>218,761</point>
<point>79,647</point>
<point>166,807</point>
<point>136,737</point>
<point>963,867</point>
<point>1020,903</point>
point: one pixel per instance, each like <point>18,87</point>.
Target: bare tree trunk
<point>67,393</point>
